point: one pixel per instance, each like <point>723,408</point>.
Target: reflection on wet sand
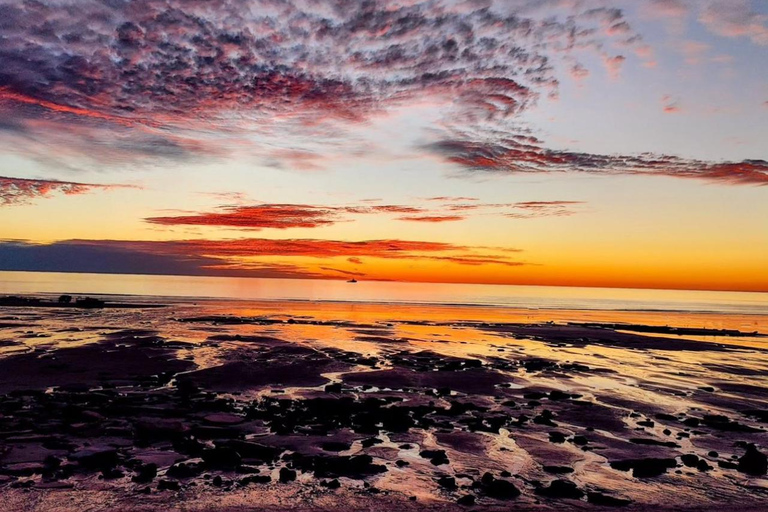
<point>337,405</point>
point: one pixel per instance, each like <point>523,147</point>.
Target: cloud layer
<point>247,257</point>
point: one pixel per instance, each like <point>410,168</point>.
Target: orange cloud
<point>432,218</point>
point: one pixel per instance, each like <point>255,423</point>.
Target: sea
<point>200,288</point>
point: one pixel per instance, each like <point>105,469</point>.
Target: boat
<point>352,280</point>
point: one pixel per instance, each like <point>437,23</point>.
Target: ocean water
<point>376,292</point>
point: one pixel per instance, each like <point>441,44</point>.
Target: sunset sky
<point>555,142</point>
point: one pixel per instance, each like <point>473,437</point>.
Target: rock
<point>331,484</point>
<point>447,482</point>
<point>255,479</point>
<point>221,458</point>
<point>499,489</point>
<point>224,419</point>
<point>467,500</point>
<point>24,469</point>
<point>159,429</point>
<point>558,470</point>
<point>561,489</point>
<point>357,466</point>
<point>580,440</point>
<point>556,437</point>
<point>602,500</point>
<point>753,462</point>
<point>95,457</point>
<point>111,474</point>
<point>690,460</point>
<point>333,388</point>
<point>251,450</point>
<point>184,470</point>
<point>335,446</point>
<point>168,485</point>
<point>436,457</point>
<point>645,468</point>
<point>287,475</point>
<point>145,473</point>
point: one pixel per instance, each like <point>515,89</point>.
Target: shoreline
<point>213,407</point>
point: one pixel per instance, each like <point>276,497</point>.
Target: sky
<point>551,142</point>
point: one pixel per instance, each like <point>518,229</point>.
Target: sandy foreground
<point>285,406</point>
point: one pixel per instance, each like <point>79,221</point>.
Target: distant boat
<point>352,280</point>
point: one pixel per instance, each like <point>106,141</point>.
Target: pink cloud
<point>613,65</point>
<point>670,105</point>
<point>735,18</point>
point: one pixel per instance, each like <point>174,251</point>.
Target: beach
<point>276,405</point>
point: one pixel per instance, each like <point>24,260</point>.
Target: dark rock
<point>255,479</point>
<point>335,446</point>
<point>357,466</point>
<point>499,489</point>
<point>287,475</point>
<point>753,462</point>
<point>690,460</point>
<point>561,489</point>
<point>221,458</point>
<point>467,500</point>
<point>111,474</point>
<point>184,470</point>
<point>168,485</point>
<point>447,482</point>
<point>436,457</point>
<point>580,440</point>
<point>556,437</point>
<point>96,458</point>
<point>653,442</point>
<point>645,468</point>
<point>331,484</point>
<point>145,473</point>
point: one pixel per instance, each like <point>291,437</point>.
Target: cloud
<point>274,216</point>
<point>294,83</point>
<point>735,18</point>
<point>693,51</point>
<point>665,9</point>
<point>110,258</point>
<point>613,65</point>
<point>287,81</point>
<point>432,218</point>
<point>448,199</point>
<point>511,157</point>
<point>235,257</point>
<point>278,216</point>
<point>17,191</point>
<point>670,105</point>
<point>534,209</point>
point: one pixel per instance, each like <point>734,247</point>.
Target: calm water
<point>533,297</point>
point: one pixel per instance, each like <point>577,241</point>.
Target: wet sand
<point>301,406</point>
